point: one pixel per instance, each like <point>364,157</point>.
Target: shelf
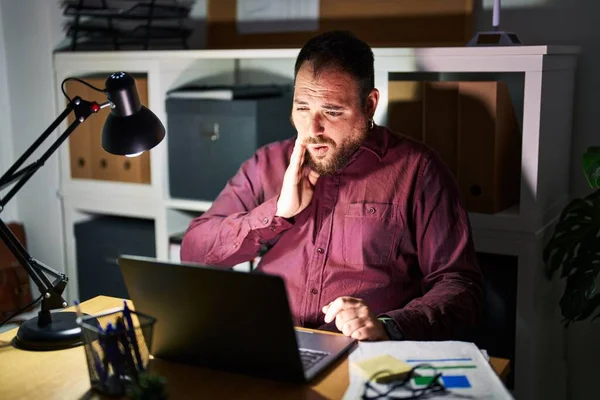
<point>138,207</point>
<point>388,60</point>
<point>137,11</point>
<point>169,69</point>
<point>188,205</point>
<point>88,187</point>
<point>546,84</point>
<point>508,219</point>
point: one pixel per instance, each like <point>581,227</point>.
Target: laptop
<point>223,319</point>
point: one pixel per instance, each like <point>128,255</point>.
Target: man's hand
<point>298,185</point>
<point>353,318</point>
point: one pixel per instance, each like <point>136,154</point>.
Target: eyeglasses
<point>420,381</point>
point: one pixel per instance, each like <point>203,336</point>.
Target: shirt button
<point>320,250</point>
<point>235,244</point>
<point>314,291</point>
<point>266,221</point>
<point>372,210</point>
<point>327,210</point>
<point>272,228</point>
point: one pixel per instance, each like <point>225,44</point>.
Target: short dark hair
<point>342,50</point>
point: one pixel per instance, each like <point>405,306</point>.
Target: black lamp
<point>130,129</point>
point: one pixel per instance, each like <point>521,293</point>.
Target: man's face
<point>329,117</point>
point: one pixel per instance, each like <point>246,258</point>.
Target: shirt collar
<point>376,141</point>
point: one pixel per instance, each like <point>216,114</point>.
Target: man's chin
<point>321,167</point>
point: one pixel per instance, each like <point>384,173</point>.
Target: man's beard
<point>342,155</point>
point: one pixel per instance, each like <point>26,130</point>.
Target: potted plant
<point>574,248</point>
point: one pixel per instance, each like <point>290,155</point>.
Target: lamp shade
<point>130,128</point>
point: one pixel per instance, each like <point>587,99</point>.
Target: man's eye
<point>334,113</point>
<point>302,109</point>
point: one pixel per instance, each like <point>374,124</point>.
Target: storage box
<point>381,23</point>
<point>210,139</point>
<point>405,108</point>
<point>473,128</point>
<point>440,120</point>
<point>489,147</point>
<point>87,157</point>
<point>99,242</point>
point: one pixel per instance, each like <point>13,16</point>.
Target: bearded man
<point>365,226</point>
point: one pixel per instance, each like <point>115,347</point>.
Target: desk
<point>63,374</point>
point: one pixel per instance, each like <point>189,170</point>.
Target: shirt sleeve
<point>233,230</point>
<point>452,280</point>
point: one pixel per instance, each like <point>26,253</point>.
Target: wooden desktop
<point>63,374</point>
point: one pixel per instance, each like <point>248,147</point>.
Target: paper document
<point>272,16</point>
<point>465,371</point>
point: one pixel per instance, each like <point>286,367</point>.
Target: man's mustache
<point>319,140</point>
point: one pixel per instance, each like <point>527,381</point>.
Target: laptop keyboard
<point>311,357</point>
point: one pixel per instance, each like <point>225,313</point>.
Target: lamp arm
<point>51,291</point>
<point>17,174</point>
<point>83,109</point>
<point>11,171</point>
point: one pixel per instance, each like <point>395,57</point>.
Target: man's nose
<point>316,125</point>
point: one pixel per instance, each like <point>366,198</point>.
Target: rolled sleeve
<point>265,223</point>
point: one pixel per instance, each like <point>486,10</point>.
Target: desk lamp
<point>130,129</point>
<point>495,37</point>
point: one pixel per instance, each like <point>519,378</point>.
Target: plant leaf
<point>574,249</point>
<point>579,219</point>
<point>591,166</point>
<point>579,299</point>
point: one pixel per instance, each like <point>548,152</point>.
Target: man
<point>366,227</point>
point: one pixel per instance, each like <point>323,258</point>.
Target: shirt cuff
<point>263,221</point>
<point>408,322</point>
<point>391,327</point>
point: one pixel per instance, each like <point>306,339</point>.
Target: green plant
<point>574,248</point>
<point>149,387</point>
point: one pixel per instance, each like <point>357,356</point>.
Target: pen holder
<point>117,349</point>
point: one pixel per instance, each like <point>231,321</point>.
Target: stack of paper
<point>464,369</point>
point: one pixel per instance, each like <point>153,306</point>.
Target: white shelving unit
<point>548,76</point>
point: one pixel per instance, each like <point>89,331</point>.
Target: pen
<point>123,338</point>
<point>115,358</point>
<point>78,309</point>
<point>96,358</point>
<point>113,349</point>
<point>132,336</point>
<point>104,343</point>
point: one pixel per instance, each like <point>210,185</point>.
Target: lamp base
<point>495,38</point>
<point>62,333</point>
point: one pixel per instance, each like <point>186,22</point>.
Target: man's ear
<point>371,102</point>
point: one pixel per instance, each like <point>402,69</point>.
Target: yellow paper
<point>395,369</point>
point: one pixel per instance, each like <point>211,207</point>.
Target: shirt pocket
<point>370,232</point>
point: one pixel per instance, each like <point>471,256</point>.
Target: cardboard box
<point>440,120</point>
<point>381,23</point>
<point>405,108</point>
<point>489,147</point>
<point>473,128</point>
